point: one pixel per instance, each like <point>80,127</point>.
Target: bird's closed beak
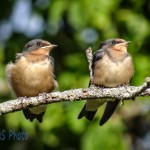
<point>53,45</point>
<point>128,42</point>
<point>124,43</point>
<point>49,46</point>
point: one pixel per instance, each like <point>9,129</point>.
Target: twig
<point>89,56</point>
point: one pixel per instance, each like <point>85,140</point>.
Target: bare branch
<point>123,93</point>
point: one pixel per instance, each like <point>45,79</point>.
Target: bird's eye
<point>38,43</point>
<point>114,42</point>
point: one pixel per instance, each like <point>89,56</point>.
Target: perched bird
<point>31,74</point>
<point>112,67</point>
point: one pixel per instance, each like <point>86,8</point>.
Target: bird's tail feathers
<point>109,110</point>
<point>32,116</point>
<point>88,114</point>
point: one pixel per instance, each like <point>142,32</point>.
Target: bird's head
<point>38,46</point>
<point>116,44</point>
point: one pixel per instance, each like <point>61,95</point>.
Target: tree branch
<point>91,93</point>
<point>123,93</point>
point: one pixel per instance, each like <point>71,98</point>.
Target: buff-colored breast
<point>29,78</point>
<point>110,73</point>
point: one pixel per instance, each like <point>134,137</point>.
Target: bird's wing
<point>96,57</point>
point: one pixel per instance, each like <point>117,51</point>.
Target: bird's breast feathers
<point>29,78</point>
<point>109,73</point>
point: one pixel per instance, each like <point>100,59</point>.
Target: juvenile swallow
<point>112,66</point>
<point>32,74</point>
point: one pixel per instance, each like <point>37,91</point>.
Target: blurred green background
<point>74,25</point>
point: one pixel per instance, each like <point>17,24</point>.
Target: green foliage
<point>108,137</point>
